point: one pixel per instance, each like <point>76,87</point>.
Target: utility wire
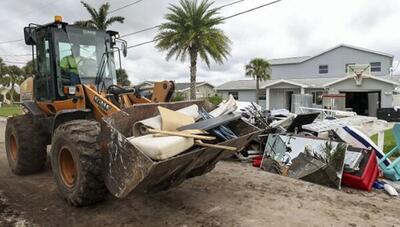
<point>112,11</point>
<point>12,41</point>
<point>154,27</point>
<point>125,6</point>
<point>16,55</point>
<point>140,31</point>
<point>252,9</point>
<point>229,4</point>
<point>225,18</point>
<point>14,62</point>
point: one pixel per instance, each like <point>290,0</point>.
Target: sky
<point>286,29</point>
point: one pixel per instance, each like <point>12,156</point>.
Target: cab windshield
<point>81,53</point>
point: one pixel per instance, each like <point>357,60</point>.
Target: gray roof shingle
<point>291,60</point>
<point>251,84</point>
<point>183,86</point>
<point>296,60</point>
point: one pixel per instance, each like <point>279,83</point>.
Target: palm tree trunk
<point>193,71</point>
<point>257,89</point>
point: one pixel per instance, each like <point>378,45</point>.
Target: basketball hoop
<point>358,72</point>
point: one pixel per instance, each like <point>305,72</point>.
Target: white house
<point>325,72</point>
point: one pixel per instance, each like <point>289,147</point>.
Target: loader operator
<point>69,66</point>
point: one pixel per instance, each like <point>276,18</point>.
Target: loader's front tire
<point>26,145</point>
<point>77,162</point>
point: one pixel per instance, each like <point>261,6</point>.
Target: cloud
<point>289,28</point>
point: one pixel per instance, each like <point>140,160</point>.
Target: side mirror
<point>30,36</point>
<point>124,47</point>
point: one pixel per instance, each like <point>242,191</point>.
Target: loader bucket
<point>127,168</point>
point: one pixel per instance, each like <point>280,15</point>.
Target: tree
<point>29,69</point>
<point>190,31</point>
<point>2,67</point>
<point>14,75</point>
<point>99,18</point>
<point>122,78</point>
<point>260,70</point>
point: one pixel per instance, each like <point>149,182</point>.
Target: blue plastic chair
<point>392,170</point>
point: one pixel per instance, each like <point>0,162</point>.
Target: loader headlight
<point>70,90</point>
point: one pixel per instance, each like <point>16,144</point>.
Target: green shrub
<point>178,97</point>
<point>215,99</point>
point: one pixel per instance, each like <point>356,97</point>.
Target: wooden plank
<point>170,133</point>
<point>200,143</point>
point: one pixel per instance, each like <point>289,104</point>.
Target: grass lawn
<point>389,141</point>
<point>10,110</point>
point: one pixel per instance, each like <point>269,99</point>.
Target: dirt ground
<point>234,194</point>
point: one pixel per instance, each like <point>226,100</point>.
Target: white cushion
<point>161,148</point>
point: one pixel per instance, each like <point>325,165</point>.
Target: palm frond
<point>92,11</point>
<point>99,17</point>
<point>258,68</point>
<point>112,20</point>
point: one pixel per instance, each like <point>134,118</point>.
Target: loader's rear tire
<point>77,162</point>
<point>26,145</point>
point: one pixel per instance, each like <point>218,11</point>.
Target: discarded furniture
<point>161,148</point>
<point>392,170</point>
<point>356,138</point>
<point>131,169</point>
<point>366,175</point>
<point>300,120</point>
<point>368,125</point>
<point>328,113</point>
<point>389,114</point>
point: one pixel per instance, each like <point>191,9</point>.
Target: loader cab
<point>66,55</point>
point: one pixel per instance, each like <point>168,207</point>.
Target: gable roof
<point>297,60</point>
<point>388,81</point>
<point>301,83</point>
<point>251,84</point>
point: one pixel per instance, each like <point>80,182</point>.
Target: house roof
<point>381,79</point>
<point>238,85</point>
<point>251,84</point>
<point>297,60</point>
<point>303,83</point>
<point>186,86</point>
<point>291,60</point>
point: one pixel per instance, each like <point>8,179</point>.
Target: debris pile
<point>153,147</point>
<point>327,150</point>
<point>173,132</point>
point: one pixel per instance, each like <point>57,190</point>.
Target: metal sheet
<point>307,158</point>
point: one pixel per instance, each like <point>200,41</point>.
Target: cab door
<point>44,80</point>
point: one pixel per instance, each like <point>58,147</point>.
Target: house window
<point>375,66</point>
<point>235,94</point>
<point>323,69</point>
<point>317,97</point>
<point>347,66</point>
<point>262,97</point>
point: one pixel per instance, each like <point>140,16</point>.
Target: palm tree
<point>14,75</point>
<point>190,31</point>
<point>99,17</point>
<point>123,78</point>
<point>260,70</point>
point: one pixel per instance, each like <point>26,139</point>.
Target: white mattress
<point>161,148</point>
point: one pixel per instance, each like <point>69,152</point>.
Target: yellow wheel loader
<point>78,109</point>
